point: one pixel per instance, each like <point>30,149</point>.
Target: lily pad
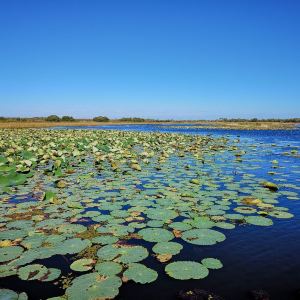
<point>259,221</point>
<point>10,253</point>
<point>94,286</point>
<point>212,263</point>
<point>108,268</point>
<point>156,235</point>
<point>203,236</point>
<point>184,270</point>
<point>172,248</point>
<point>32,272</point>
<point>82,265</point>
<point>140,273</point>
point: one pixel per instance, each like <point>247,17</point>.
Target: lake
<point>253,257</point>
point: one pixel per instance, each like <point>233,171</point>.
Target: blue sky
<point>187,59</point>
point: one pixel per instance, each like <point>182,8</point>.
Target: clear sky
<point>150,58</point>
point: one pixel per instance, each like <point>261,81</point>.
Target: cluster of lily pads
<point>108,201</point>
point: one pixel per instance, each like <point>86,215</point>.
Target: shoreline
<point>204,124</point>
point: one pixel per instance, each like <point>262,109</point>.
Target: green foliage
<point>67,119</point>
<point>130,119</point>
<point>101,119</point>
<point>52,118</point>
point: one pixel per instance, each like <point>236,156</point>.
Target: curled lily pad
<point>82,265</point>
<point>212,263</point>
<point>185,270</point>
<point>270,185</point>
<point>140,273</point>
<point>10,253</point>
<point>94,286</point>
<point>156,234</point>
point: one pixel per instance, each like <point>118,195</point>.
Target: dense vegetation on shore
<point>55,118</point>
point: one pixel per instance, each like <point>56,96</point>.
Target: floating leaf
<point>259,221</point>
<point>212,263</point>
<point>32,272</point>
<point>185,270</point>
<point>156,235</point>
<point>108,268</point>
<point>82,265</point>
<point>10,253</point>
<point>94,286</point>
<point>140,273</point>
<point>167,248</point>
<point>203,236</point>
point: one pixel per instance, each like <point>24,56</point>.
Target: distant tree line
<point>55,118</point>
<point>290,120</point>
<point>101,119</point>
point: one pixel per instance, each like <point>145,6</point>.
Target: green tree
<point>53,118</point>
<point>101,119</point>
<point>67,118</point>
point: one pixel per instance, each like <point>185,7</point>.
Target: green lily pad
<point>104,240</point>
<point>108,268</point>
<point>32,272</point>
<point>10,253</point>
<point>94,286</point>
<point>156,235</point>
<point>82,265</point>
<point>184,270</point>
<point>123,254</point>
<point>6,294</point>
<point>212,263</point>
<point>203,236</point>
<point>172,248</point>
<point>259,221</point>
<point>140,273</point>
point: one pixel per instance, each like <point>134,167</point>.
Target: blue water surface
<point>254,257</point>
